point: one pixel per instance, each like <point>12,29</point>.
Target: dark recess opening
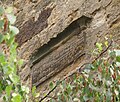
<point>80,23</point>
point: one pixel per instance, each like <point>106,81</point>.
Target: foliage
<point>11,88</point>
<point>97,82</point>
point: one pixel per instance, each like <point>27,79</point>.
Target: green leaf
<point>37,95</point>
<point>51,85</point>
<point>93,87</point>
<point>14,78</point>
<point>116,92</point>
<point>1,10</point>
<point>25,89</point>
<point>2,58</point>
<point>106,43</point>
<point>1,88</point>
<point>76,100</point>
<point>99,46</point>
<point>14,30</point>
<point>63,85</point>
<point>69,88</point>
<point>16,98</point>
<point>10,41</point>
<point>8,90</point>
<point>9,10</point>
<point>1,23</point>
<point>8,81</point>
<point>34,94</point>
<point>108,95</point>
<point>118,64</point>
<point>118,58</point>
<point>58,82</point>
<point>108,82</point>
<point>7,36</point>
<point>112,53</point>
<point>112,71</point>
<point>33,90</point>
<point>117,52</point>
<point>20,62</point>
<point>11,18</point>
<point>7,70</point>
<point>1,38</point>
<point>85,98</point>
<point>87,70</point>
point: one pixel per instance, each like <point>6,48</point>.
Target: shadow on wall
<point>59,52</point>
<point>80,23</point>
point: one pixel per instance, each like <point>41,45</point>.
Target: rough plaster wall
<point>43,20</point>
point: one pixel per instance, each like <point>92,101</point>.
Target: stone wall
<point>56,36</point>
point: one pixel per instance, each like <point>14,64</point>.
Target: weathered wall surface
<point>56,34</point>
